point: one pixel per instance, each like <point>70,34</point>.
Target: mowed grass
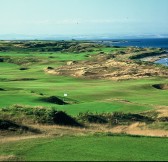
<point>89,148</point>
<point>101,96</point>
<point>91,95</point>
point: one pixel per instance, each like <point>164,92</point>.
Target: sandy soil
<point>102,67</point>
<point>58,131</point>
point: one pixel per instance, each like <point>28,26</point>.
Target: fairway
<point>83,80</point>
<point>28,87</point>
<point>40,123</point>
<point>91,148</point>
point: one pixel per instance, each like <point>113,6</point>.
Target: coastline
<point>155,58</point>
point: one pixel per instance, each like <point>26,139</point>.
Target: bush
<point>37,115</point>
<point>113,118</point>
<point>1,59</point>
<point>1,89</point>
<point>163,119</point>
<point>12,126</point>
<point>62,118</point>
<point>92,118</point>
<point>119,117</point>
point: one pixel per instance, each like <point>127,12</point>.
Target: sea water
<point>151,43</point>
<point>163,61</point>
<point>143,43</point>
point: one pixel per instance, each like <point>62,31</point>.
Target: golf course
<point>82,101</point>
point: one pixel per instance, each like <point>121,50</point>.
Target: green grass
<point>110,50</point>
<point>102,107</point>
<point>91,95</point>
<point>91,148</point>
<point>99,96</point>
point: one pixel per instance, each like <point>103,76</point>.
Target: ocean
<point>144,43</point>
<point>154,43</point>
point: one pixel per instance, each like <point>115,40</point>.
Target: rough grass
<point>14,128</point>
<point>26,114</point>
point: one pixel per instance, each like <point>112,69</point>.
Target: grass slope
<point>101,148</point>
<point>27,87</point>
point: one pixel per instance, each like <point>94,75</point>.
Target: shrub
<point>37,115</point>
<point>1,89</point>
<point>1,59</point>
<point>92,118</point>
<point>12,126</point>
<point>62,118</point>
<point>163,119</point>
<point>50,68</point>
<point>119,117</point>
<point>113,118</point>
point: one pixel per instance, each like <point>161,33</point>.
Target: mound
<point>6,125</point>
<point>161,86</point>
<point>163,119</point>
<point>23,79</point>
<point>1,59</point>
<point>34,115</point>
<point>105,67</point>
<point>55,100</point>
<point>50,68</point>
<point>23,68</point>
<point>1,89</point>
<point>62,118</point>
<point>121,117</point>
<point>93,118</point>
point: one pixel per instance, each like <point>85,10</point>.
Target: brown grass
<point>162,110</point>
<point>136,128</point>
<point>140,129</point>
<point>7,157</point>
<point>110,69</point>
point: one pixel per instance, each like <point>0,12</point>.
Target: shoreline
<point>153,59</point>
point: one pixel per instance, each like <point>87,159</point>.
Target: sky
<point>84,17</point>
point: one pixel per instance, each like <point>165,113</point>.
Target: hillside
<point>119,65</point>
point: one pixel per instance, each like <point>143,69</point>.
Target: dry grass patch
<point>110,69</point>
<point>7,158</point>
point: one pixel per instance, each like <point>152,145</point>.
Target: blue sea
<point>153,43</point>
